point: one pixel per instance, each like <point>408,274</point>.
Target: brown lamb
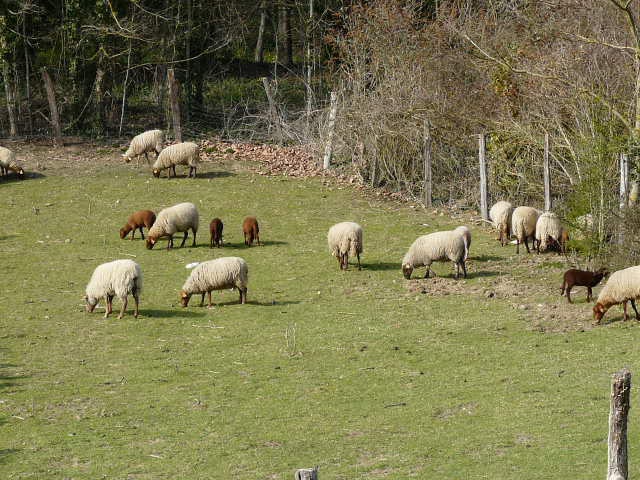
<point>251,231</point>
<point>582,278</point>
<point>136,221</point>
<point>215,228</point>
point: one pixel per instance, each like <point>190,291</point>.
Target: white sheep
<point>8,162</point>
<point>623,286</point>
<point>345,239</point>
<point>179,218</point>
<point>218,274</point>
<point>549,231</point>
<point>149,141</point>
<point>186,153</point>
<point>114,279</point>
<point>466,236</point>
<point>523,226</point>
<point>500,215</point>
<point>435,247</point>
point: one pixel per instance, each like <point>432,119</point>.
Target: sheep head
<point>156,172</point>
<point>90,303</point>
<point>184,298</point>
<point>407,270</point>
<point>123,232</point>
<point>150,242</point>
<point>598,311</point>
<point>126,157</point>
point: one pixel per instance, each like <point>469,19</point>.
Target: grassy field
<point>362,373</point>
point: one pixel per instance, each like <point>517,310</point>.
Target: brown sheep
<point>215,228</point>
<point>138,220</point>
<point>251,231</point>
<point>582,278</point>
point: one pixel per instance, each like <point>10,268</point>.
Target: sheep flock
<point>122,278</point>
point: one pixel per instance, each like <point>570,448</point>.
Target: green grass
<point>346,370</point>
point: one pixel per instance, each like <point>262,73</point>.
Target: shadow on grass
<point>8,380</point>
<point>275,303</point>
<point>217,174</point>
<point>381,266</point>
<point>7,237</point>
<point>178,312</point>
<point>27,176</point>
<point>486,258</point>
<point>6,452</point>
<point>267,243</point>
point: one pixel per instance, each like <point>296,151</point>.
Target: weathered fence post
<point>484,208</point>
<point>426,155</point>
<point>174,98</point>
<point>328,149</point>
<point>307,474</point>
<point>624,179</point>
<point>547,175</point>
<point>617,468</point>
<point>53,107</point>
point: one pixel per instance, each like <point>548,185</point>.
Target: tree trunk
<point>27,77</point>
<point>53,107</point>
<point>328,149</point>
<point>484,209</point>
<point>617,468</point>
<point>546,175</point>
<point>174,96</point>
<point>11,105</point>
<point>259,53</point>
<point>274,117</point>
<point>309,62</point>
<point>426,153</point>
<point>124,90</point>
<point>187,82</point>
<point>285,50</point>
<point>98,112</point>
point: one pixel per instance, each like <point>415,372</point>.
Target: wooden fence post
<point>307,474</point>
<point>547,175</point>
<point>174,98</point>
<point>484,208</point>
<point>617,468</point>
<point>426,154</point>
<point>53,107</point>
<point>624,179</point>
<point>328,149</point>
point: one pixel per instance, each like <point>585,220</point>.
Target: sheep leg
<point>209,296</point>
<point>125,302</point>
<point>133,233</point>
<point>202,300</point>
<point>426,274</point>
<point>517,246</point>
<point>136,297</point>
<point>184,239</point>
<point>464,269</point>
<point>569,294</point>
<point>633,304</point>
<point>526,244</point>
<point>589,294</point>
<point>170,242</point>
<point>624,308</point>
<point>142,232</point>
<point>173,167</point>
<point>193,244</point>
<point>359,267</point>
<point>211,242</point>
<point>109,306</point>
<point>243,296</point>
<point>146,157</point>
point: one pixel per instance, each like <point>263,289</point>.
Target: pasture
<point>362,373</point>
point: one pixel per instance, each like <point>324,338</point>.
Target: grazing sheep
<point>179,218</point>
<point>623,286</point>
<point>466,236</point>
<point>500,215</point>
<point>149,141</point>
<point>523,226</point>
<point>582,278</point>
<point>218,274</point>
<point>549,232</point>
<point>186,153</point>
<point>251,230</point>
<point>8,162</point>
<point>114,279</point>
<point>138,220</point>
<point>215,229</point>
<point>435,247</point>
<point>345,239</point>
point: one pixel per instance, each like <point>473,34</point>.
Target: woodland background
<point>513,69</point>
